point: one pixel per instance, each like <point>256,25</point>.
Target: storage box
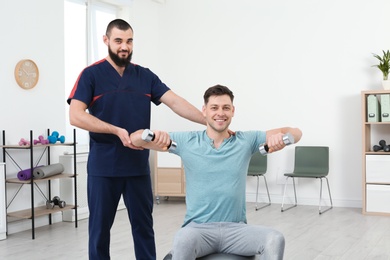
<point>372,109</point>
<point>378,169</point>
<point>378,198</point>
<point>385,108</point>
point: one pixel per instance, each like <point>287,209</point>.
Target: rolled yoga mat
<point>25,175</point>
<point>47,171</point>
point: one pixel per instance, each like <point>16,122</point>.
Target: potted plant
<point>384,66</point>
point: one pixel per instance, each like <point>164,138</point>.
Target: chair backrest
<point>257,164</point>
<point>312,160</point>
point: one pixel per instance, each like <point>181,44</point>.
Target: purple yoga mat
<point>25,175</point>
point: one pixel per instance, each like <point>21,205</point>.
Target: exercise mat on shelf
<point>47,171</point>
<point>25,174</point>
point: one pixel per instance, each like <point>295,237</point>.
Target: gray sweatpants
<point>197,240</point>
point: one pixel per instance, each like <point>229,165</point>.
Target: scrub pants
<point>103,197</point>
<point>197,240</point>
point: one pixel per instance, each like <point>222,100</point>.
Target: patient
<point>216,164</point>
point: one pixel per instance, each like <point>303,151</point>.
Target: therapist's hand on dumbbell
<point>276,142</point>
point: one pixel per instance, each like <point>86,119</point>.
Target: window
<point>84,26</point>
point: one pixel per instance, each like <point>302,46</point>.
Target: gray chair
<point>310,162</point>
<point>257,168</point>
<point>221,257</point>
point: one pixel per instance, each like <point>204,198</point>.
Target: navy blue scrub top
<point>124,101</point>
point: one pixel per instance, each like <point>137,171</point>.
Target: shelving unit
<point>169,177</point>
<point>33,211</point>
<point>375,165</point>
<point>3,215</point>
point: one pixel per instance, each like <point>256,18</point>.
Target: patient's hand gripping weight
<point>287,140</point>
<point>148,136</point>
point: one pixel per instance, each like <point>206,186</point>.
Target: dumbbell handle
<point>148,136</point>
<point>287,140</point>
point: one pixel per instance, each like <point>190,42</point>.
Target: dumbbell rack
<point>33,211</point>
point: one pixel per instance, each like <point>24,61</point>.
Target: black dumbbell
<point>287,140</point>
<point>377,148</point>
<point>382,146</point>
<point>148,136</point>
<point>55,202</point>
<point>386,147</point>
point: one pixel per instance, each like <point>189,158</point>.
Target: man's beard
<point>121,62</point>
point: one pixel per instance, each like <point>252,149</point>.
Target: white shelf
<point>375,165</point>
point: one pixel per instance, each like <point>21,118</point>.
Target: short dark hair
<point>117,23</point>
<point>217,90</point>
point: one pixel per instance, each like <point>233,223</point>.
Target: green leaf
<point>384,63</point>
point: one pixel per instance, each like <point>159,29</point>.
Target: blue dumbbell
<point>54,137</point>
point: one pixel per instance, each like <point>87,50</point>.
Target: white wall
<point>300,63</point>
<point>31,30</point>
<point>297,63</point>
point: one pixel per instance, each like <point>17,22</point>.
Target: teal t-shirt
<point>216,178</point>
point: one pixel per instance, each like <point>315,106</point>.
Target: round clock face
<point>26,74</point>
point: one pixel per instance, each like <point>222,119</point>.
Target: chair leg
<point>330,197</point>
<point>284,195</point>
<point>266,186</point>
<point>257,190</point>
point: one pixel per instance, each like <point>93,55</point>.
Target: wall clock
<point>26,74</point>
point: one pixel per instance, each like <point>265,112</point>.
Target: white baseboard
<point>23,225</point>
<point>277,199</point>
<point>69,215</point>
